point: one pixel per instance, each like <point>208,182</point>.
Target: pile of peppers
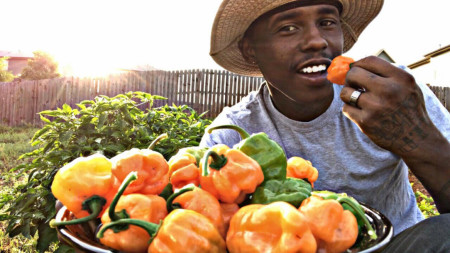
<point>245,198</point>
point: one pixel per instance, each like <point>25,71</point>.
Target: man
<point>362,137</point>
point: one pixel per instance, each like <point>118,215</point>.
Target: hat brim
<point>235,16</point>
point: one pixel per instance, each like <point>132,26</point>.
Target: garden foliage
<point>106,125</point>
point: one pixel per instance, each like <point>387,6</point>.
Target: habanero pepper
<point>151,208</point>
<point>276,227</point>
<point>261,148</point>
<point>351,204</point>
<point>182,230</point>
<point>151,166</point>
<point>298,167</point>
<point>338,69</point>
<point>229,174</point>
<point>184,167</point>
<point>334,228</point>
<point>85,186</point>
<point>228,210</point>
<point>201,201</point>
<point>290,190</point>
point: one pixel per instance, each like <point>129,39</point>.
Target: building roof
<point>13,54</point>
<point>383,53</point>
<point>428,57</point>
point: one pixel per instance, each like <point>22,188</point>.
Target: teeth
<point>314,69</point>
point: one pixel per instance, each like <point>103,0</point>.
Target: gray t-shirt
<point>347,160</point>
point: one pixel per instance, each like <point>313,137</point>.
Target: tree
<point>42,66</point>
<point>5,75</point>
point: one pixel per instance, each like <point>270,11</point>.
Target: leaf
<point>63,248</point>
<point>47,236</point>
<point>101,120</point>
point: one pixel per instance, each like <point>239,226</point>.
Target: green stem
<point>151,228</point>
<point>349,202</point>
<point>94,205</point>
<point>170,205</point>
<point>218,161</point>
<point>113,215</point>
<point>242,132</point>
<point>157,140</point>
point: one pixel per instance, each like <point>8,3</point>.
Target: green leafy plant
<point>106,125</point>
<point>41,66</point>
<point>5,75</point>
<point>425,204</point>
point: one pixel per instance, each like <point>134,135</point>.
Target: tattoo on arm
<point>402,128</point>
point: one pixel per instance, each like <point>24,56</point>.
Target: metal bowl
<point>82,237</point>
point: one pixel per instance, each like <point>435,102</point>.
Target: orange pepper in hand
<point>338,69</point>
<point>334,228</point>
<point>229,174</point>
<point>201,201</point>
<point>276,227</point>
<point>298,167</point>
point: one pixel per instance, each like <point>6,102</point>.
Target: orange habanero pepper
<point>183,230</point>
<point>298,167</point>
<point>201,201</point>
<point>338,69</point>
<point>184,167</point>
<point>151,166</point>
<point>334,228</point>
<point>276,227</point>
<point>151,208</point>
<point>85,186</point>
<point>229,174</point>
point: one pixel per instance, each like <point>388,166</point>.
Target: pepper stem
<point>242,132</point>
<point>94,205</point>
<point>113,215</point>
<point>218,161</point>
<point>170,205</point>
<point>151,228</point>
<point>349,202</point>
<point>157,140</point>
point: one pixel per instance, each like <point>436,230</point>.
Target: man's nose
<point>313,39</point>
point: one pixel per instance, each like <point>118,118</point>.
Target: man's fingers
<point>375,65</point>
<point>360,78</point>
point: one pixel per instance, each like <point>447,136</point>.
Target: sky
<point>93,37</point>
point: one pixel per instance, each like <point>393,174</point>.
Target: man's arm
<point>392,113</point>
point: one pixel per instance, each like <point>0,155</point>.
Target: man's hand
<point>391,112</point>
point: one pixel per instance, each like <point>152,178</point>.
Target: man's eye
<point>327,23</point>
<point>288,28</point>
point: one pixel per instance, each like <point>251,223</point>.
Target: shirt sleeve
<point>221,136</point>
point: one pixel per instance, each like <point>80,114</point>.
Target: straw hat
<point>235,16</point>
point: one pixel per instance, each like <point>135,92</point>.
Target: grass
<point>13,143</point>
<point>16,141</point>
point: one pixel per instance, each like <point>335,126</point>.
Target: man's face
<point>294,47</point>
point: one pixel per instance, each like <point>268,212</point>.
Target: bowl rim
<point>70,238</point>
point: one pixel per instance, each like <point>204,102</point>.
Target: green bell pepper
<point>269,154</point>
<point>351,204</point>
<point>291,190</point>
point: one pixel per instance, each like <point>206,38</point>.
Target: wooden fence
<point>203,90</point>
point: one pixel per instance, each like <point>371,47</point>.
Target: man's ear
<point>247,50</point>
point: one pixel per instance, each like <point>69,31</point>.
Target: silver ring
<point>354,98</point>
